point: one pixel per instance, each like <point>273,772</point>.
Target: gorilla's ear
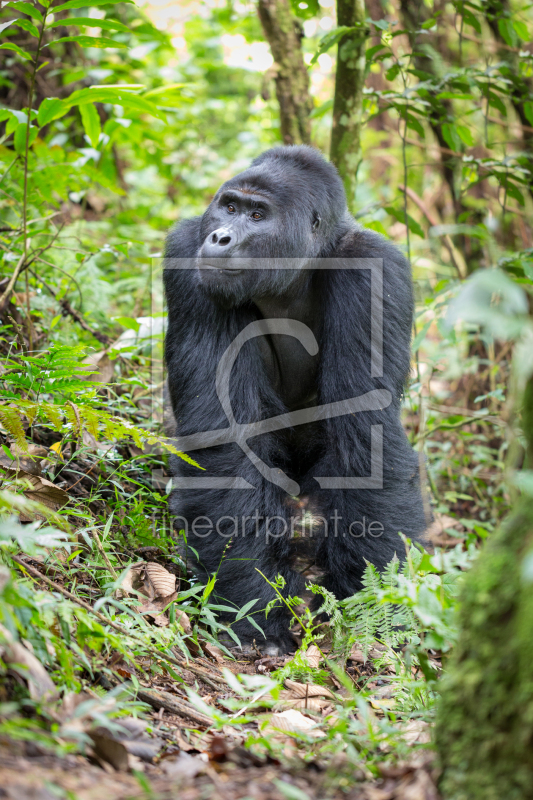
<point>316,221</point>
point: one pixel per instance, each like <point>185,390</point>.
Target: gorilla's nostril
<point>225,240</point>
<point>214,238</point>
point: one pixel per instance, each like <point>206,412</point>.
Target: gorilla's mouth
<point>226,270</point>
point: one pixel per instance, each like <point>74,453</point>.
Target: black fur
<point>308,218</point>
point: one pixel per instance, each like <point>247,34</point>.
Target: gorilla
<point>287,350</point>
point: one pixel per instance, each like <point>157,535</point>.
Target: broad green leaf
<point>498,103</point>
<point>412,224</point>
<point>91,122</point>
<point>528,111</point>
<point>415,125</point>
<point>89,22</point>
<point>514,191</point>
<point>331,38</point>
<point>454,96</point>
<point>101,94</point>
<point>26,25</point>
<point>506,28</point>
<point>28,9</point>
<point>19,139</point>
<point>465,135</point>
<point>87,4</point>
<point>392,72</point>
<point>471,20</point>
<point>16,48</point>
<point>89,41</point>
<point>51,108</point>
<point>169,87</point>
<point>451,136</point>
<point>521,29</point>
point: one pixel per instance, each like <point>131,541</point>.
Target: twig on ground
<point>211,679</point>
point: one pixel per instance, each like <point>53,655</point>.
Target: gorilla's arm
<point>345,372</point>
<point>198,334</point>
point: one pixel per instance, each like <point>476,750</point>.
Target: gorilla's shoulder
<point>360,242</point>
<point>183,241</point>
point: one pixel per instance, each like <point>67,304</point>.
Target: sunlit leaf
<point>89,41</point>
<point>27,8</point>
<point>17,49</point>
<point>89,22</point>
<point>19,139</point>
<point>51,108</point>
<point>91,122</point>
<point>87,4</point>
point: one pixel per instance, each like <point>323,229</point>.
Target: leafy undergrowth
<point>113,682</point>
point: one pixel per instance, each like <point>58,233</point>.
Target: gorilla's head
<point>285,209</point>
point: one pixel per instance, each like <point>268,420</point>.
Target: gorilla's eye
<point>257,215</point>
<point>231,208</point>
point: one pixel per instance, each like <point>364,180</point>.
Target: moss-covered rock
<point>484,729</point>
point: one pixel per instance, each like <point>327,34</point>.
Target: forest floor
<point>167,754</point>
<point>113,684</point>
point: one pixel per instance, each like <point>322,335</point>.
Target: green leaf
<point>465,134</point>
<point>89,22</point>
<point>454,96</point>
<point>245,609</point>
<point>506,28</point>
<point>415,125</point>
<point>16,48</point>
<point>451,136</point>
<point>521,30</point>
<point>412,224</point>
<point>115,96</point>
<point>392,72</point>
<point>91,122</point>
<point>331,38</point>
<point>471,20</point>
<point>89,41</point>
<point>528,111</point>
<point>87,4</point>
<point>20,137</point>
<point>28,9</point>
<point>498,103</point>
<point>51,108</point>
<point>26,25</point>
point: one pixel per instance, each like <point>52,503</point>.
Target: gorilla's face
<point>255,241</point>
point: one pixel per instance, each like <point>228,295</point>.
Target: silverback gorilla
<point>273,318</point>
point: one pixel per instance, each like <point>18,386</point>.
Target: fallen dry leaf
<point>211,649</point>
<point>38,489</point>
<point>27,666</point>
<point>104,366</point>
<point>158,581</point>
<point>436,533</point>
<point>292,721</point>
<point>155,608</point>
<point>307,689</point>
<point>313,656</point>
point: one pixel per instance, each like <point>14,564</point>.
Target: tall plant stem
<point>348,103</point>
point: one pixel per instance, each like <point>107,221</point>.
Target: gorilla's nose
<point>217,244</point>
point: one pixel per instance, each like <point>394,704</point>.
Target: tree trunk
<point>284,35</point>
<point>348,104</point>
<point>484,729</point>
